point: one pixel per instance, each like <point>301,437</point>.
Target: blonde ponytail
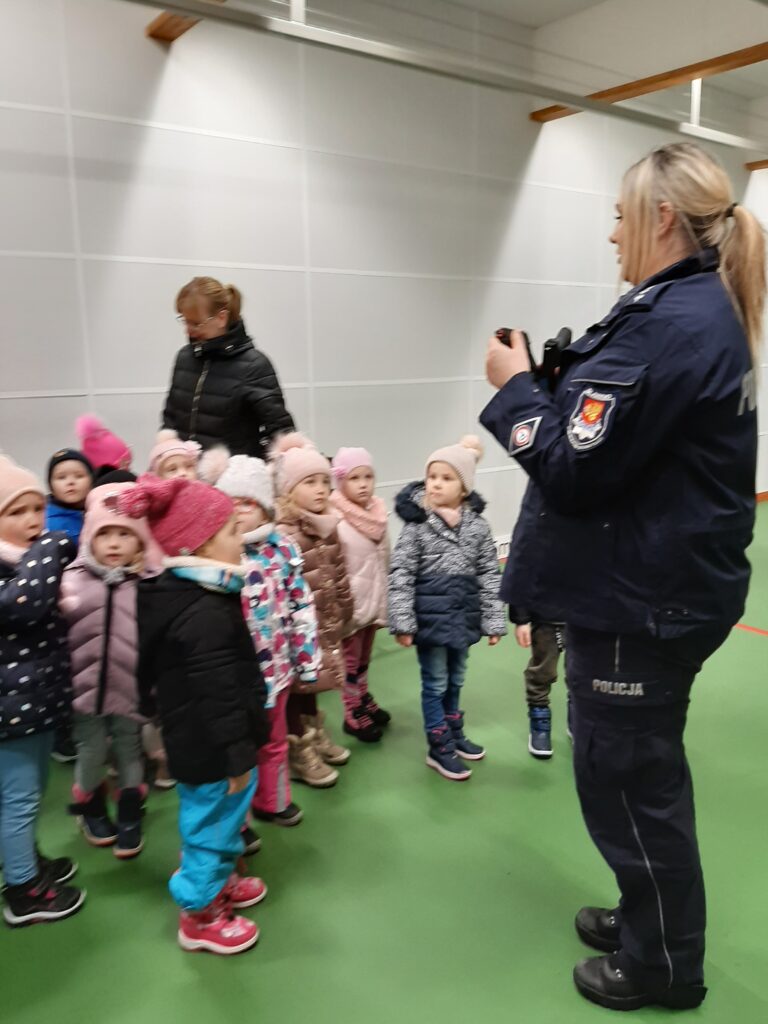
<point>700,192</point>
<point>742,266</point>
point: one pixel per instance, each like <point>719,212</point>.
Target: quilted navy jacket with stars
<point>35,687</point>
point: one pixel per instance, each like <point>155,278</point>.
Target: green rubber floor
<point>406,898</point>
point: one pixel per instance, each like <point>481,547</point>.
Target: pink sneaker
<point>243,891</point>
<point>216,930</point>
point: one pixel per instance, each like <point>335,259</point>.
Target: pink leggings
<point>357,655</point>
<point>273,792</point>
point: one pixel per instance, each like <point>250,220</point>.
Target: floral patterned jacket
<point>280,611</point>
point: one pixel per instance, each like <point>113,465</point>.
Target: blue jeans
<point>209,822</point>
<point>442,677</point>
<point>23,778</point>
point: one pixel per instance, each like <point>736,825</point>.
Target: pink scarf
<point>370,521</point>
<point>11,553</point>
<point>323,523</point>
<point>450,516</point>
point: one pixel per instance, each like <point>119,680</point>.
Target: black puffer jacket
<point>35,687</point>
<point>198,669</point>
<point>224,391</point>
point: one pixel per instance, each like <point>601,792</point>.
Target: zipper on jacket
<point>104,669</point>
<point>196,399</point>
<point>617,655</point>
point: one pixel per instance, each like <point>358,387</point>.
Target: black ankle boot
<point>40,900</point>
<point>379,715</point>
<point>603,981</point>
<point>599,928</point>
<point>361,725</point>
<point>129,812</point>
<point>93,819</point>
<point>57,869</point>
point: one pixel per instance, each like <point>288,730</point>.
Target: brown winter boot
<point>305,765</point>
<point>329,751</point>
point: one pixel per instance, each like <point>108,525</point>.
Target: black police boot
<point>599,928</point>
<point>601,980</point>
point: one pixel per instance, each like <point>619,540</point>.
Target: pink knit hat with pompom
<point>101,510</point>
<point>168,443</point>
<point>462,457</point>
<point>348,459</point>
<point>182,514</point>
<point>100,446</point>
<point>294,458</point>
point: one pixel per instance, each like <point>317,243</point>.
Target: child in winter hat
<point>280,613</point>
<point>70,478</point>
<point>35,695</point>
<point>171,457</point>
<point>99,600</point>
<point>183,515</point>
<point>305,514</point>
<point>363,533</point>
<point>15,482</point>
<point>443,587</point>
<point>114,483</point>
<point>199,669</point>
<point>104,450</point>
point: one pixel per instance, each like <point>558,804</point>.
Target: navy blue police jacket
<point>641,499</point>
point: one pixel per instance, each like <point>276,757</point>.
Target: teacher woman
<point>633,530</point>
<point>223,390</point>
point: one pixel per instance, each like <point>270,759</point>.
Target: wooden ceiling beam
<point>665,80</point>
<point>756,165</point>
<point>167,27</point>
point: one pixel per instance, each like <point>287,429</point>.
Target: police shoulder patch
<point>588,425</point>
<point>523,435</point>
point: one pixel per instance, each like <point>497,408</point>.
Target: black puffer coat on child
<point>198,668</point>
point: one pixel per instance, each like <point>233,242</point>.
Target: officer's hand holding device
<point>547,371</point>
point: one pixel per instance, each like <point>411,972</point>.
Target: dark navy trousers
<point>629,702</point>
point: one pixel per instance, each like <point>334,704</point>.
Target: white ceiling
<point>533,13</point>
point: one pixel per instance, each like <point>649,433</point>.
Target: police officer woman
<point>633,530</point>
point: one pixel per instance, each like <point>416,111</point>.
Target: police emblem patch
<point>589,421</point>
<point>523,435</point>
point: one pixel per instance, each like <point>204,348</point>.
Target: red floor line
<point>751,629</point>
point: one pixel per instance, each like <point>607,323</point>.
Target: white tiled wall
<point>380,223</point>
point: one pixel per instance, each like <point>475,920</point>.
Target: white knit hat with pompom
<point>462,457</point>
<point>239,476</point>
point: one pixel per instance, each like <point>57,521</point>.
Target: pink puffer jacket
<point>363,535</point>
<point>103,642</point>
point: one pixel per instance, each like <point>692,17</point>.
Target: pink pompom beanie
<point>101,511</point>
<point>294,458</point>
<point>168,443</point>
<point>182,514</point>
<point>15,481</point>
<point>348,459</point>
<point>100,446</point>
<point>462,458</point>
